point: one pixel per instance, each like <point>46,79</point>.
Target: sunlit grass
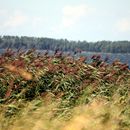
<point>58,92</point>
<point>99,114</point>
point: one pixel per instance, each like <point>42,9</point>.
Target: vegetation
<point>61,92</point>
<point>24,42</point>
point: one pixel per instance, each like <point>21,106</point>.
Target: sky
<point>90,20</point>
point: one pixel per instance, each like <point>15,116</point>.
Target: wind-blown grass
<point>59,92</point>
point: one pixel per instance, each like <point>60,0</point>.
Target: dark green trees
<point>24,42</point>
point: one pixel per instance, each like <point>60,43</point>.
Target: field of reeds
<point>39,91</point>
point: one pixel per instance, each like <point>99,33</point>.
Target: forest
<point>24,42</point>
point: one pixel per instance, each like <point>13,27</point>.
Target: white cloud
<point>37,21</point>
<point>12,19</point>
<point>123,25</point>
<point>18,19</point>
<point>3,12</point>
<point>15,20</point>
<point>72,14</point>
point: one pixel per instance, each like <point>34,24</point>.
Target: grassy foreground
<point>59,92</point>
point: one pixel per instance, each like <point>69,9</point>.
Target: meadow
<point>39,91</point>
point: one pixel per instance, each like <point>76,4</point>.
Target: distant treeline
<point>24,42</point>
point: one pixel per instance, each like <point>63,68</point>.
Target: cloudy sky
<point>89,20</point>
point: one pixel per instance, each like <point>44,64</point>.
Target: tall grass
<point>99,114</point>
<point>59,92</point>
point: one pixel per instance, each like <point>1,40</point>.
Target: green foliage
<point>24,42</point>
<point>42,79</point>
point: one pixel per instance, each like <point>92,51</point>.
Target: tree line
<point>25,42</point>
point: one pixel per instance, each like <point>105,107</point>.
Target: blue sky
<point>90,20</point>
